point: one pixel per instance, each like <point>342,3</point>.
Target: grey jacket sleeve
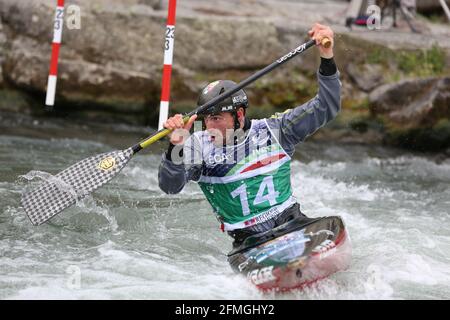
<point>175,173</point>
<point>294,126</point>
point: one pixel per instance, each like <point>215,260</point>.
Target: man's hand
<point>180,129</point>
<point>318,32</point>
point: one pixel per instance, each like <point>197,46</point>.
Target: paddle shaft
<point>164,132</point>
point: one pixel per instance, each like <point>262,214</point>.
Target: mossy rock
<point>435,138</point>
<point>14,101</point>
<point>397,64</point>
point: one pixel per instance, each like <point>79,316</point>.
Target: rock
<point>415,113</point>
<point>434,138</point>
<point>118,54</point>
<point>112,66</point>
<point>366,76</point>
<point>155,4</point>
<point>14,101</point>
<point>412,103</point>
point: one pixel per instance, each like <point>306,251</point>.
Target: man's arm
<point>174,172</point>
<point>296,125</point>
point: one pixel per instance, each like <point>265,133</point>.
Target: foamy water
<point>131,241</point>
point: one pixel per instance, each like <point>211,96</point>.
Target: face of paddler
<point>220,126</point>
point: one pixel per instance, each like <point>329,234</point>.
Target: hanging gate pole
<point>57,35</point>
<point>167,69</point>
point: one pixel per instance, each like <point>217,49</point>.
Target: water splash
<point>89,205</point>
<point>60,184</point>
<point>85,202</point>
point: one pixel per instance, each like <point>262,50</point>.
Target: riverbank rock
<point>415,111</point>
<point>365,76</point>
<point>111,68</point>
<point>116,57</point>
<point>415,102</point>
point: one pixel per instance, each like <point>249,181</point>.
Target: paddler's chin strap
<point>247,124</point>
<point>237,125</point>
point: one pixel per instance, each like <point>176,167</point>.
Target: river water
<point>131,241</point>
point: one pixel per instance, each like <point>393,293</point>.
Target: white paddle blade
<point>74,183</point>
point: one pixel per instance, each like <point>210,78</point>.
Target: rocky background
<point>396,84</point>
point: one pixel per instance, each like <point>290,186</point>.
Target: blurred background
<point>395,79</point>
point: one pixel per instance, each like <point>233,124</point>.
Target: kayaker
<point>243,165</point>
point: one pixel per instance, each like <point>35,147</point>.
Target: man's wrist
<point>327,66</point>
<point>327,55</point>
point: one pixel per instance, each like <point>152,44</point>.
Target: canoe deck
<point>297,258</point>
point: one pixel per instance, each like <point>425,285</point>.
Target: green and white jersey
<point>247,183</point>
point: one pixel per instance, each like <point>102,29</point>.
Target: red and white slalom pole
<point>57,34</point>
<point>167,70</point>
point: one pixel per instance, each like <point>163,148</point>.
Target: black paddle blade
<point>74,183</point>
